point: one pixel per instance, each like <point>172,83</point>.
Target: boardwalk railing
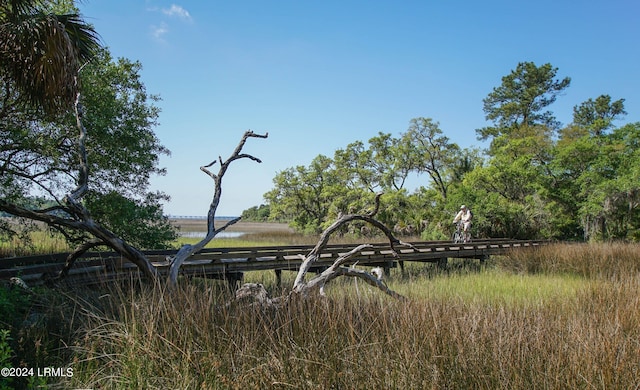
<point>230,263</point>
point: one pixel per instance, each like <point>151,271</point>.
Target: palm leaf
<point>42,52</point>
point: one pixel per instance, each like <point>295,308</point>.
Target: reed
<point>555,323</point>
<point>37,242</point>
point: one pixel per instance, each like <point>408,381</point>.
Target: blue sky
<point>318,75</point>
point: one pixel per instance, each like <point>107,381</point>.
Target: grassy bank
<point>39,242</point>
<point>253,234</point>
<point>559,317</point>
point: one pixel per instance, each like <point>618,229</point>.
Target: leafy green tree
<point>312,197</point>
<point>598,115</point>
<point>303,194</point>
<point>257,213</point>
<point>38,155</point>
<point>497,215</point>
<point>431,152</point>
<point>521,100</point>
<point>391,160</point>
<point>383,166</point>
<point>357,167</point>
<point>581,159</point>
<point>125,152</point>
<point>610,187</point>
<point>521,150</point>
<point>140,220</point>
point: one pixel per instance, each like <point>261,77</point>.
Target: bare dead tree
<point>188,250</point>
<point>340,267</point>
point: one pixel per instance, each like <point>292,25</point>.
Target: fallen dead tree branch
<point>256,293</point>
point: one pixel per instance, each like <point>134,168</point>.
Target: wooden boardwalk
<point>231,263</point>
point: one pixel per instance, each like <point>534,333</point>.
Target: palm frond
<point>42,53</point>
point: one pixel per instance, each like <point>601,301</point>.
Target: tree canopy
<point>537,179</point>
<point>90,185</point>
<point>521,101</point>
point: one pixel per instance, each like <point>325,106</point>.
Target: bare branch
<point>370,279</point>
<point>338,269</point>
<point>51,209</point>
<point>73,256</point>
<point>208,172</point>
<point>249,157</point>
<point>83,170</point>
<point>188,250</point>
<point>330,273</point>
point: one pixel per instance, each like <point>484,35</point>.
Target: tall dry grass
<point>586,335</point>
<point>603,261</point>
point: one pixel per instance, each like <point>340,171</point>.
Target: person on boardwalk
<point>465,216</point>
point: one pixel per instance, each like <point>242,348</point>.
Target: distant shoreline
<point>200,225</point>
<point>198,217</point>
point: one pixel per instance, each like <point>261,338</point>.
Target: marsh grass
<point>255,239</point>
<point>605,261</point>
<point>43,241</point>
<point>274,238</point>
<point>554,324</point>
<point>37,242</point>
<point>496,287</point>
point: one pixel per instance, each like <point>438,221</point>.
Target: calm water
<point>219,235</point>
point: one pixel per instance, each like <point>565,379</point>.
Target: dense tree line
<point>536,178</point>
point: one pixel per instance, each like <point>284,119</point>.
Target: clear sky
<point>318,75</point>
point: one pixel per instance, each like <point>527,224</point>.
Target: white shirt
<point>464,215</point>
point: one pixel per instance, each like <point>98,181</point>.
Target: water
<point>219,235</point>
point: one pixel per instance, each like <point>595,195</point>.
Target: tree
<point>610,187</point>
<point>257,213</point>
<point>597,115</point>
<point>69,212</point>
<point>302,287</point>
<point>521,149</point>
<point>122,147</point>
<point>42,156</point>
<point>503,200</point>
<point>255,293</point>
<point>41,52</point>
<point>430,151</point>
<point>521,100</point>
<point>305,195</point>
<point>311,197</point>
<point>384,165</point>
<point>357,167</point>
<point>391,160</point>
<point>188,250</point>
<point>580,149</point>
